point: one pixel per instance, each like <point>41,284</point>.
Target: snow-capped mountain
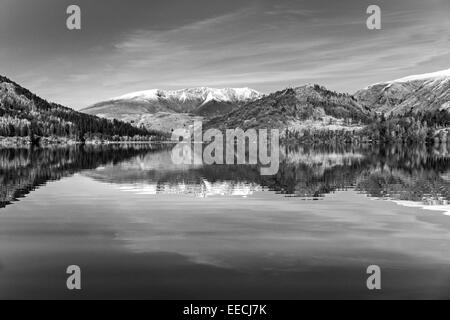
<point>417,93</point>
<point>172,109</point>
<point>194,94</point>
<point>438,75</point>
<point>195,100</point>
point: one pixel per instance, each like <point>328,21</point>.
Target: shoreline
<point>18,142</point>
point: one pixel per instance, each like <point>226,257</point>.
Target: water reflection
<point>145,227</point>
<point>24,170</point>
<point>412,176</point>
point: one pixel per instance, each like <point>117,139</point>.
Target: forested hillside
<point>292,107</point>
<point>22,114</point>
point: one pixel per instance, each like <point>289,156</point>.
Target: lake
<point>142,227</point>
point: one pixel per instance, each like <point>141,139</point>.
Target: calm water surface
<point>142,227</point>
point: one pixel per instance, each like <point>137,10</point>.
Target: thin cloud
<point>188,56</point>
<point>263,44</point>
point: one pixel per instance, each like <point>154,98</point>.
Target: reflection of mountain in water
<point>155,173</point>
<point>415,174</point>
<point>24,170</point>
<point>406,174</point>
<point>201,189</point>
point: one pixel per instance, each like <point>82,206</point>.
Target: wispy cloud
<point>262,44</point>
<point>237,49</point>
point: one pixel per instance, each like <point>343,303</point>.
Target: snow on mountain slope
<point>142,107</point>
<point>200,101</point>
<point>203,93</point>
<point>443,74</point>
<point>139,95</point>
<point>417,93</point>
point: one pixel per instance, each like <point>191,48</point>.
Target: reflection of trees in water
<point>304,171</point>
<point>424,186</point>
<point>24,170</point>
<point>411,173</point>
<point>302,180</point>
<point>414,174</point>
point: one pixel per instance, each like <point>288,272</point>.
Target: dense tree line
<point>34,116</point>
<point>408,128</point>
<point>421,127</point>
<point>314,136</point>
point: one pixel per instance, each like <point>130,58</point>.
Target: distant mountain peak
<point>199,93</point>
<point>142,107</point>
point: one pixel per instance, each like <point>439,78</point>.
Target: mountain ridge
<point>305,108</point>
<point>207,93</point>
<point>417,93</point>
<point>167,110</point>
<point>177,101</point>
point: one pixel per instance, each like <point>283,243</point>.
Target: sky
<point>267,45</point>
